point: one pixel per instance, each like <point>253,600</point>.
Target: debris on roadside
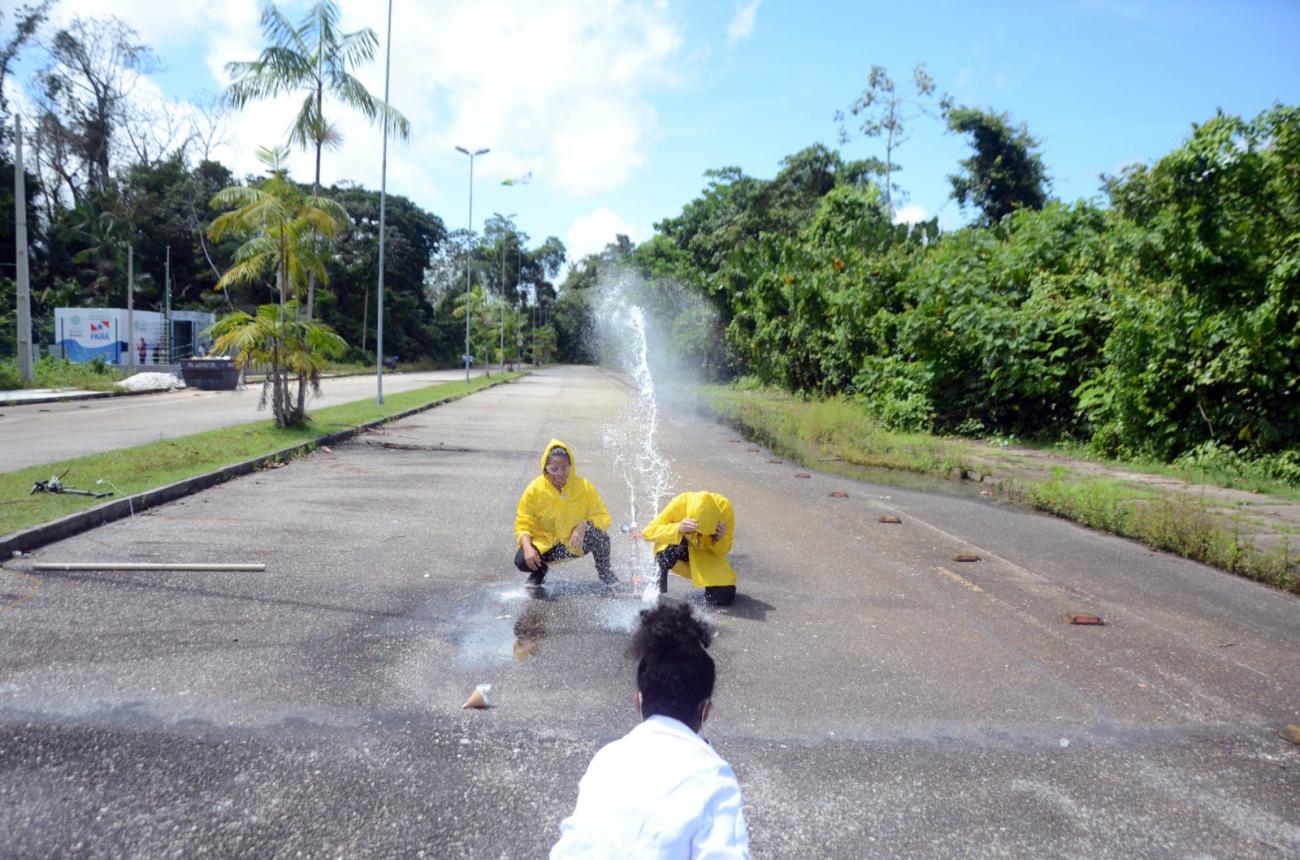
<point>1090,620</point>
<point>890,519</point>
<point>965,557</point>
<point>151,381</point>
<point>55,485</point>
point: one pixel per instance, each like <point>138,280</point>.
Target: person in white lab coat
<point>661,790</point>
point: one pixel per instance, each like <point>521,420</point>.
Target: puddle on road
<point>512,625</point>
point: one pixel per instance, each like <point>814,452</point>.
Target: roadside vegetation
<point>1161,324</point>
<point>838,435</point>
<point>60,373</point>
<point>145,467</point>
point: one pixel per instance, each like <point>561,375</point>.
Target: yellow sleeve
<point>596,511</point>
<point>663,528</point>
<point>723,546</point>
<point>524,522</point>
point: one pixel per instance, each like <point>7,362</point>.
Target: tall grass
<point>816,430</point>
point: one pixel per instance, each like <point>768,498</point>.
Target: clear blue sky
<point>619,106</point>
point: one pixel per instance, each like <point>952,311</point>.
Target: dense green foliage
<point>1165,324</point>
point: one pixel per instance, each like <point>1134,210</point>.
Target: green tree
<point>882,111</point>
<point>286,234</point>
<point>1206,345</point>
<point>281,339</point>
<point>316,59</point>
<point>414,236</point>
<point>1005,173</point>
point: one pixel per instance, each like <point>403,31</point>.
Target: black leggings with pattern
<point>714,595</point>
<point>595,542</point>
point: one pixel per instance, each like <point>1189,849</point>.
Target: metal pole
<point>383,202</point>
<point>168,332</point>
<point>470,257</point>
<point>504,218</point>
<point>502,347</point>
<point>130,305</point>
<point>24,296</point>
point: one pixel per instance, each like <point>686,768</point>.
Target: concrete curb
<point>80,395</point>
<point>65,527</point>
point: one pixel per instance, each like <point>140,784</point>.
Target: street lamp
<point>503,290</point>
<point>383,194</point>
<point>469,259</point>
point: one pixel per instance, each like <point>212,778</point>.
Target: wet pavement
<point>875,697</point>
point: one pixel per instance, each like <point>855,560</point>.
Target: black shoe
<point>719,595</point>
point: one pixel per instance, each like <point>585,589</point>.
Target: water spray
<point>630,443</point>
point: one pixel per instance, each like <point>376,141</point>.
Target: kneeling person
<point>561,517</point>
<point>692,537</point>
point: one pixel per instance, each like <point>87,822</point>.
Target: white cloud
<point>157,21</point>
<point>590,233</point>
<point>912,214</point>
<point>742,23</point>
<point>558,89</point>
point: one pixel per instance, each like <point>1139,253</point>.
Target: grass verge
<point>59,373</point>
<point>815,432</point>
<point>128,471</point>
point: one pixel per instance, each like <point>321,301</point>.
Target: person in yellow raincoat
<point>561,516</point>
<point>692,537</point>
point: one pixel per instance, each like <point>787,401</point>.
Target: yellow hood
<point>704,509</point>
<point>551,446</point>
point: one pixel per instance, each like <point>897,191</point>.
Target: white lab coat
<point>659,791</point>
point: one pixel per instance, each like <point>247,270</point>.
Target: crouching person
<point>692,537</point>
<point>561,517</point>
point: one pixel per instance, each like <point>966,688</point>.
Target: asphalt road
<point>43,433</point>
<point>876,698</point>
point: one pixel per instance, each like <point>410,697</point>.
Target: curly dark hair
<point>674,673</point>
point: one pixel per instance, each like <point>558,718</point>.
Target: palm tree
<point>279,339</point>
<point>312,58</point>
<point>288,233</point>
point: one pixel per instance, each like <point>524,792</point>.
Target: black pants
<point>595,542</point>
<point>714,595</point>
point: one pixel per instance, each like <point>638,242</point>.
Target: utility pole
<point>470,257</point>
<point>20,257</point>
<point>505,219</point>
<point>383,195</point>
<point>130,305</point>
<point>168,347</point>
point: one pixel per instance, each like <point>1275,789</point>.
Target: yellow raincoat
<point>548,515</point>
<point>707,563</point>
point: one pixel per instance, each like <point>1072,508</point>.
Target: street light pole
<point>383,193</point>
<point>470,257</point>
<point>503,290</point>
<point>23,275</point>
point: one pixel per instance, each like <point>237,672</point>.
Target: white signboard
<point>85,333</point>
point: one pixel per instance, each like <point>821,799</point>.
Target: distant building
<point>82,334</point>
